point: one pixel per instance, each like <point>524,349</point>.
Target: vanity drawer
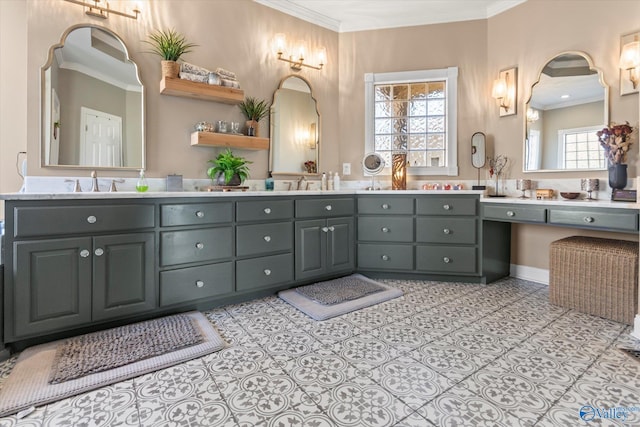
<point>208,244</point>
<point>623,221</point>
<point>385,229</point>
<point>324,208</point>
<point>446,259</point>
<point>264,238</point>
<point>446,206</point>
<point>194,283</point>
<point>261,272</point>
<point>385,205</point>
<point>195,213</point>
<point>385,257</point>
<point>264,210</point>
<point>514,213</point>
<point>50,220</point>
<point>446,230</point>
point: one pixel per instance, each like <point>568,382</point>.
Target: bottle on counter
<point>330,181</point>
<point>268,183</point>
<point>323,182</point>
<point>336,182</point>
<point>141,185</point>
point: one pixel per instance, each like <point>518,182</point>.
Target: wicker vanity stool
<point>595,276</point>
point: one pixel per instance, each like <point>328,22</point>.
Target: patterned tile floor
<point>444,354</point>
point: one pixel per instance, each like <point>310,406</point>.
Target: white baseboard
<point>636,327</point>
<point>533,274</point>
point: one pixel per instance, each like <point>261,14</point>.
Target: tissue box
<point>174,183</point>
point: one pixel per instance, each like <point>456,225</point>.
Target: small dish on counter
<point>570,196</point>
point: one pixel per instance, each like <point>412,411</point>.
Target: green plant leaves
<point>169,44</point>
<point>229,165</point>
<point>254,109</point>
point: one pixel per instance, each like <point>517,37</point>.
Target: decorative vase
<point>617,176</point>
<point>170,69</point>
<point>234,182</point>
<point>252,128</point>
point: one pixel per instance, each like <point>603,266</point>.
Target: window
<point>580,149</point>
<point>414,111</point>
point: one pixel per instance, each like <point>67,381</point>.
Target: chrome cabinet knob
<point>328,207</point>
<point>446,231</point>
<point>325,229</point>
<point>332,228</point>
<point>84,253</point>
<point>267,272</point>
<point>446,260</point>
<point>385,230</point>
<point>511,213</point>
<point>200,245</point>
<point>91,219</point>
<point>99,252</point>
<point>199,283</point>
<point>385,257</point>
<point>588,219</point>
<point>267,210</point>
<point>200,214</point>
<point>385,206</point>
<point>446,207</point>
<point>267,238</point>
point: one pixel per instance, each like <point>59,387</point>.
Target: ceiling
<point>358,15</point>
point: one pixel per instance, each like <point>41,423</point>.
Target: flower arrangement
<point>616,140</point>
<point>497,164</point>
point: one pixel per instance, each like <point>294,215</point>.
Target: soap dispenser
<point>141,185</point>
<point>268,183</point>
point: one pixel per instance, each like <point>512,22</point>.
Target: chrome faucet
<point>113,188</point>
<point>302,180</point>
<point>94,185</point>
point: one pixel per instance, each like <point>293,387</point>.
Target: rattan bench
<point>595,276</point>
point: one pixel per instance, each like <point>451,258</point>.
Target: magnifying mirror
<point>373,163</point>
<point>478,155</point>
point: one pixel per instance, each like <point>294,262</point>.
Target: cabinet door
<point>51,287</point>
<point>340,240</point>
<point>123,275</point>
<point>311,248</point>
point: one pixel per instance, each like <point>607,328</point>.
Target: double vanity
<point>75,262</point>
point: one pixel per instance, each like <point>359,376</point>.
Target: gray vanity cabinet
<point>324,246</point>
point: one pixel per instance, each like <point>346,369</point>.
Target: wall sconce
<point>630,61</point>
<point>103,11</point>
<point>297,57</point>
<point>505,91</point>
<point>399,170</point>
<point>533,115</point>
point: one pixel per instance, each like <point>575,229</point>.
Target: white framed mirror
<point>295,129</point>
<point>373,164</point>
<point>569,102</point>
<point>92,103</point>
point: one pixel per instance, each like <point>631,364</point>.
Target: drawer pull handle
<point>446,207</point>
<point>446,231</point>
<point>511,213</point>
<point>267,238</point>
<point>325,229</point>
<point>200,214</point>
<point>84,253</point>
<point>267,272</point>
<point>446,260</point>
<point>199,283</point>
<point>267,210</point>
<point>588,219</point>
<point>91,219</point>
<point>385,230</point>
<point>99,252</point>
<point>332,228</point>
<point>328,207</point>
<point>385,206</point>
<point>200,245</point>
<point>385,257</point>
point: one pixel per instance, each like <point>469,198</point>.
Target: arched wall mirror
<point>568,104</point>
<point>92,103</point>
<point>295,128</point>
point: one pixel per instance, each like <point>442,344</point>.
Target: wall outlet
<point>346,169</point>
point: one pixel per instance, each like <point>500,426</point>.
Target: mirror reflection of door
<point>568,104</point>
<point>295,124</point>
<point>100,139</point>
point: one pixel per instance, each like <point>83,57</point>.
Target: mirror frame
<point>606,101</point>
<point>377,170</point>
<point>318,129</point>
<point>478,143</point>
<point>43,88</point>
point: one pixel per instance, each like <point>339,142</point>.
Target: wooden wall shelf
<point>203,91</point>
<point>214,139</point>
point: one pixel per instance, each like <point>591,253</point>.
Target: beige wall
<point>236,34</point>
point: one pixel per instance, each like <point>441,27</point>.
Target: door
<point>311,248</point>
<point>123,275</point>
<point>100,138</point>
<point>340,255</point>
<point>52,286</point>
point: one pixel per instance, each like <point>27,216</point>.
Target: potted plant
<point>170,46</point>
<point>228,169</point>
<point>253,110</point>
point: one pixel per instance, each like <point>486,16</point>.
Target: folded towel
<point>194,77</point>
<point>186,67</point>
<point>230,83</point>
<point>226,74</point>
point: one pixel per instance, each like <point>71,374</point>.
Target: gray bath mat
<point>339,290</point>
<point>28,384</point>
<point>321,311</point>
